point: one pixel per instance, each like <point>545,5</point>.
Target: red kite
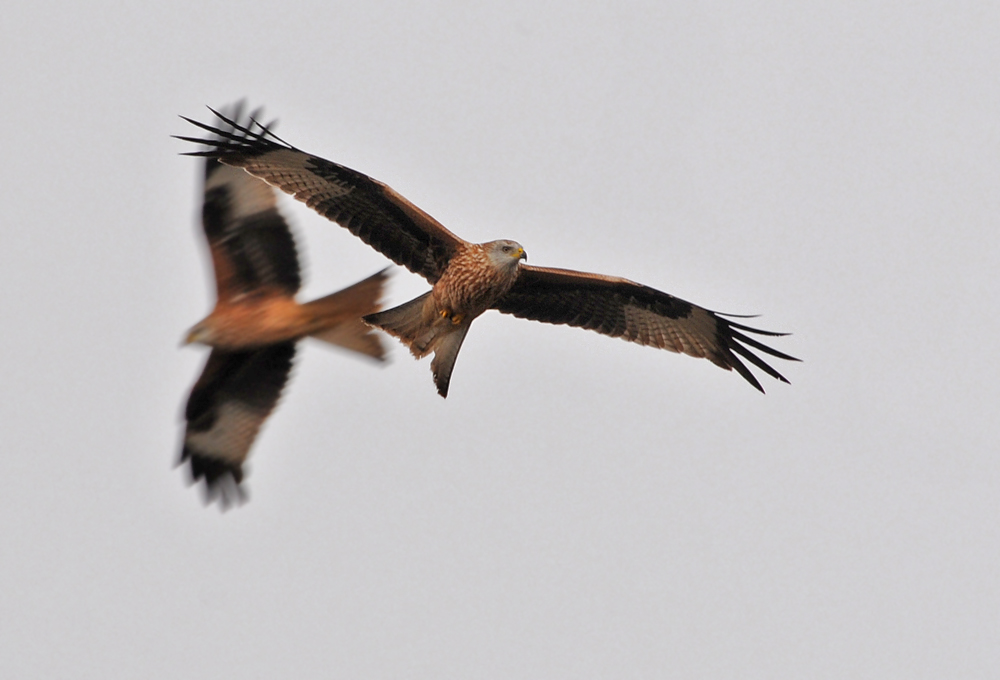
<point>255,325</point>
<point>469,278</point>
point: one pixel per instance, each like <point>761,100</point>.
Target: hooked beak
<point>193,336</point>
<point>521,255</point>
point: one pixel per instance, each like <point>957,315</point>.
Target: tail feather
<point>407,323</point>
<point>354,335</point>
<point>339,315</point>
<point>424,333</point>
<point>445,353</point>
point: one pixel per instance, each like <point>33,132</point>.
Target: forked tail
<point>423,335</point>
<point>339,315</point>
<point>407,323</point>
<point>445,353</point>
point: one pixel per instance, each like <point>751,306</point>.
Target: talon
<point>444,313</point>
<point>457,319</point>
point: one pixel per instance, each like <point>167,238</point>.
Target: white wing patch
<point>694,335</point>
<point>248,195</point>
<point>230,438</point>
<point>288,170</point>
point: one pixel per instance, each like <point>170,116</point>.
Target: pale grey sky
<point>579,507</point>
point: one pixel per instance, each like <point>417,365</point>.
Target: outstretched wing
<point>369,209</point>
<point>231,400</point>
<point>625,309</point>
<point>251,244</point>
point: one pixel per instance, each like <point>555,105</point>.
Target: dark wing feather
<point>231,400</point>
<point>251,244</point>
<point>625,309</point>
<point>369,209</point>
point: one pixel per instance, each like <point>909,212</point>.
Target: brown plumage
<point>470,278</point>
<point>254,326</point>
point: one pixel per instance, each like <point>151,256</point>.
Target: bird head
<point>505,254</point>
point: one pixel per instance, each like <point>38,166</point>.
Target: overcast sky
<point>579,507</point>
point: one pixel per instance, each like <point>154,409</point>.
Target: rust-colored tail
<point>424,335</point>
<point>407,323</point>
<point>338,316</point>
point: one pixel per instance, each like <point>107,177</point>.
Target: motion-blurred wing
<point>624,309</point>
<point>251,244</point>
<point>231,400</point>
<point>369,209</point>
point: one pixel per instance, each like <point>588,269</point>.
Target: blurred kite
<point>469,278</point>
<point>255,325</point>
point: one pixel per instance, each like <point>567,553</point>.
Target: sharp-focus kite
<point>469,278</point>
<point>255,325</point>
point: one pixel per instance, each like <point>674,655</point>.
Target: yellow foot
<point>444,313</point>
<point>457,319</point>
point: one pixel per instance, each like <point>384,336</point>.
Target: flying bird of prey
<point>470,278</point>
<point>255,325</point>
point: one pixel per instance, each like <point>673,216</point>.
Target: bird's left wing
<point>369,209</point>
<point>231,400</point>
<point>624,309</point>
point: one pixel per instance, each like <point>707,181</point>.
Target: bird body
<point>478,276</point>
<point>263,318</point>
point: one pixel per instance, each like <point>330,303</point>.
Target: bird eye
<point>506,249</point>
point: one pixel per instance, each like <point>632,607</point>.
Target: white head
<point>505,254</point>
